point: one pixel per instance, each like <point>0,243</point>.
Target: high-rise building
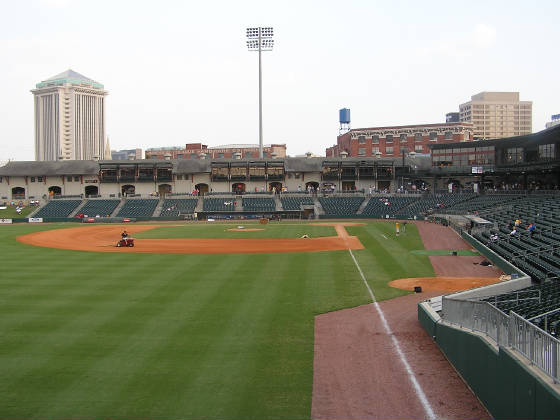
<point>69,118</point>
<point>498,114</point>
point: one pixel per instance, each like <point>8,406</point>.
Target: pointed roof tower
<point>72,77</point>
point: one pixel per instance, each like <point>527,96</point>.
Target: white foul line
<point>421,396</point>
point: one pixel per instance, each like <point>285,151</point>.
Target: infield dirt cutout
<point>103,238</point>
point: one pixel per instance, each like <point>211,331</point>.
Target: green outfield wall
<point>503,382</point>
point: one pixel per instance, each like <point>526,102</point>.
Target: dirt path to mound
<point>103,238</point>
<point>357,373</point>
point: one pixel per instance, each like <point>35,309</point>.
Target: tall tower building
<point>69,118</point>
<point>497,114</point>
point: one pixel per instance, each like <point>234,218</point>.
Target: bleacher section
<point>341,206</point>
<point>138,208</point>
<point>219,204</point>
<point>533,303</point>
<point>295,203</point>
<point>484,202</point>
<point>430,203</point>
<point>102,208</point>
<point>173,207</point>
<point>58,208</point>
<point>380,207</point>
<point>536,253</point>
<point>264,204</point>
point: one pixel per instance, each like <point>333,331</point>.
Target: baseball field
<point>143,333</point>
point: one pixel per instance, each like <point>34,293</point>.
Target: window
<point>220,155</point>
<point>193,155</point>
<point>404,138</point>
<point>448,135</point>
<point>546,151</point>
<point>0,179</point>
<point>389,138</point>
<point>514,155</point>
<point>76,179</point>
<point>179,156</point>
<point>374,150</point>
<point>433,135</point>
<point>39,179</point>
<point>248,154</point>
<point>362,139</point>
<point>389,150</point>
<point>375,139</point>
<point>179,177</point>
<point>418,148</point>
<point>361,151</point>
<point>32,179</point>
<point>418,137</point>
<point>69,178</point>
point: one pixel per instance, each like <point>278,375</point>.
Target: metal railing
<point>477,316</point>
<point>537,345</point>
<point>541,348</point>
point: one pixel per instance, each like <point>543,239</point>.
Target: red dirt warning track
<point>103,238</point>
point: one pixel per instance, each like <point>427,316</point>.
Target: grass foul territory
<point>155,336</point>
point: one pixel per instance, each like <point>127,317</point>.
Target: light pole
<point>260,39</point>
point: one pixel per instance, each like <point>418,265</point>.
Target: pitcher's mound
<point>446,284</point>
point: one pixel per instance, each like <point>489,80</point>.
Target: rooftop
<point>69,76</point>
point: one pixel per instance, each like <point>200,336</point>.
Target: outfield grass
<point>147,336</point>
<point>10,212</point>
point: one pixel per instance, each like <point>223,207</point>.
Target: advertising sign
<point>35,220</point>
<point>5,221</point>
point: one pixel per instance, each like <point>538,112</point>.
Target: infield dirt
<point>103,238</point>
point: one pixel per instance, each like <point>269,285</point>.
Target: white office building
<point>69,118</point>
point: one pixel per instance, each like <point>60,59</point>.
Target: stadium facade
<point>523,162</point>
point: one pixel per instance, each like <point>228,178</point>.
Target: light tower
<point>260,39</point>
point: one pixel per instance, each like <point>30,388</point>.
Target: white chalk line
<point>417,388</point>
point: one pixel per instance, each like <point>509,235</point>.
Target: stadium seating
<point>295,203</point>
<point>99,207</point>
<point>138,208</point>
<point>58,208</point>
<point>382,206</point>
<point>218,204</point>
<point>258,204</point>
<point>175,206</point>
<point>533,303</point>
<point>341,206</point>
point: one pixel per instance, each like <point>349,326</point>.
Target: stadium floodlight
<point>260,39</point>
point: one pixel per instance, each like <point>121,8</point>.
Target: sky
<point>179,72</point>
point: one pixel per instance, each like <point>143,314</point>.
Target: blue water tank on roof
<point>344,116</point>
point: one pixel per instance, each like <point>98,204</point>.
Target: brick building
<point>392,141</point>
<point>229,151</point>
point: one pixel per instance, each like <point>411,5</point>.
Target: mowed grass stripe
<point>132,370</point>
<point>70,349</point>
